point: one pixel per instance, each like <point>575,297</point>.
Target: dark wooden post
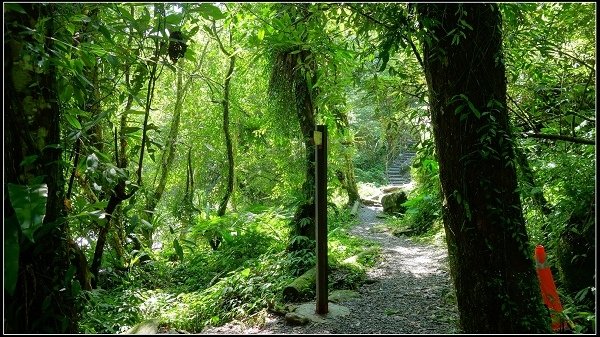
<point>320,137</point>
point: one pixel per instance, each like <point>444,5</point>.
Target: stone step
<point>397,172</point>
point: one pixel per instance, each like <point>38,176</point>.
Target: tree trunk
<point>301,287</point>
<point>538,194</point>
<point>346,176</point>
<point>117,196</point>
<point>490,259</point>
<point>36,305</point>
<point>293,69</point>
<point>229,146</point>
<point>304,218</point>
<point>168,155</point>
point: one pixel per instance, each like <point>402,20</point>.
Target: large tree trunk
<point>490,259</point>
<point>291,85</point>
<point>36,305</point>
<point>304,218</point>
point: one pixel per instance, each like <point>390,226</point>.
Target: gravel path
<point>411,292</point>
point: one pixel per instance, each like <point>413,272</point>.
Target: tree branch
<point>559,137</point>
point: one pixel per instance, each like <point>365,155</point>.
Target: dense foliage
<point>180,158</point>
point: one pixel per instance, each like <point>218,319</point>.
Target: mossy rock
<point>293,318</point>
<point>342,295</point>
<point>148,327</point>
<point>392,203</point>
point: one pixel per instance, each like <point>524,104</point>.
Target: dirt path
<point>411,292</point>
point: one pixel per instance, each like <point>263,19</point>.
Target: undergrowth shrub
<point>245,275</point>
<point>423,207</point>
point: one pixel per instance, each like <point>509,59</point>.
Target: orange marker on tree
<point>549,294</point>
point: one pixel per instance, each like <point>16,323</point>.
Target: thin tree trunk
<point>230,162</point>
<point>490,261</point>
<point>118,193</point>
<point>168,155</point>
<point>537,195</point>
<point>346,177</point>
<point>225,102</point>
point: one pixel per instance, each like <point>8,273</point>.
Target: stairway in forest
<point>398,172</point>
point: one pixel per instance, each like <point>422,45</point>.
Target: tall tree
<point>36,250</point>
<point>496,285</point>
<point>292,78</point>
<point>226,104</point>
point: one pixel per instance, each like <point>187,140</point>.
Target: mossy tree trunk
<point>346,174</point>
<point>228,143</point>
<point>304,216</point>
<point>293,74</point>
<point>32,128</point>
<point>490,260</point>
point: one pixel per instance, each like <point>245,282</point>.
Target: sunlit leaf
<point>210,11</point>
<point>29,203</point>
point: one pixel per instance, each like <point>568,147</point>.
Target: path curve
<point>411,293</point>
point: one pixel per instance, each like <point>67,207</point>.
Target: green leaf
<point>29,160</point>
<point>147,225</point>
<point>69,275</point>
<point>261,34</point>
<point>75,288</point>
<point>178,249</point>
<point>173,19</point>
<point>193,31</point>
<point>475,111</point>
<point>11,254</point>
<point>29,203</point>
<point>106,33</point>
<point>131,129</point>
<point>211,11</point>
<point>67,93</point>
<point>245,272</point>
<point>80,17</point>
<point>14,8</point>
<point>465,24</point>
<point>73,121</point>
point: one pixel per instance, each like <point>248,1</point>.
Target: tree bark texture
<point>490,256</point>
<point>304,218</point>
<point>228,144</point>
<point>346,175</point>
<point>32,123</point>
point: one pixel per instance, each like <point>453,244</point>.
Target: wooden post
<point>320,137</point>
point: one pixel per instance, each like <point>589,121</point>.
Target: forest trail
<point>410,292</point>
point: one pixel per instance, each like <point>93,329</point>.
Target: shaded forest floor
<point>409,291</point>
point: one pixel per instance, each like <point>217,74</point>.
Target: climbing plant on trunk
<point>292,76</point>
<point>226,104</point>
<point>490,255</point>
<point>35,230</point>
